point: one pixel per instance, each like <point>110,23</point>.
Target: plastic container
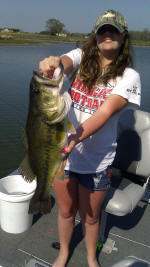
<point>15,196</point>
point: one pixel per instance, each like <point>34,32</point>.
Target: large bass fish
<point>46,135</point>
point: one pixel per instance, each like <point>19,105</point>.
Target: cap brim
<point>121,30</point>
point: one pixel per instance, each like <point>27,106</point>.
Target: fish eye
<point>35,90</point>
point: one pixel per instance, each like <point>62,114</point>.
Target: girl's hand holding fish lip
<point>50,73</point>
<point>47,74</point>
<point>48,66</point>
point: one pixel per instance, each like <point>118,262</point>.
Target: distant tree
<point>54,26</point>
<point>140,35</point>
<point>145,35</point>
<point>44,32</point>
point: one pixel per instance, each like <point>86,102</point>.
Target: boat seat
<point>131,167</point>
<point>131,262</point>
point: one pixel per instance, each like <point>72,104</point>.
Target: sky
<point>76,15</point>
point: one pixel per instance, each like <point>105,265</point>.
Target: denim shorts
<point>93,181</point>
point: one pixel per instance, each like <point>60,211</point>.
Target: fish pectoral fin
<point>60,174</point>
<point>70,127</point>
<point>26,170</point>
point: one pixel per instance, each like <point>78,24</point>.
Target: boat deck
<point>130,233</point>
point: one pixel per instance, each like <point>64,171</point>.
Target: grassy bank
<point>34,39</point>
<point>43,39</point>
<point>141,43</point>
<point>21,42</point>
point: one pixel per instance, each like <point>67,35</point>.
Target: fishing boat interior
<point>124,239</point>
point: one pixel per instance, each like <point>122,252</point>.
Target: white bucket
<point>15,196</point>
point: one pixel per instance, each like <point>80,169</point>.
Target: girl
<point>104,84</point>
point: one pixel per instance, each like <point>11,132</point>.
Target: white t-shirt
<point>97,152</point>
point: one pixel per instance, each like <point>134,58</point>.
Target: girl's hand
<point>72,141</point>
<point>48,65</point>
<point>68,149</point>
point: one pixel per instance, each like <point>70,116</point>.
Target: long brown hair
<point>90,71</point>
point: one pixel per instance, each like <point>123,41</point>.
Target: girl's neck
<point>106,60</point>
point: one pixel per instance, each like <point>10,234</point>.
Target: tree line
<point>140,35</point>
<point>55,27</point>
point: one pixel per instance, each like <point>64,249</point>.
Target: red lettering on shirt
<point>88,99</point>
<point>77,96</point>
<point>84,98</point>
<point>102,93</point>
<point>75,82</point>
<point>89,102</point>
<point>95,104</point>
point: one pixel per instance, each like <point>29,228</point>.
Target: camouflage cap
<point>111,17</point>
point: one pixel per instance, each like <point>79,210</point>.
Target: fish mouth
<point>39,77</point>
<point>48,85</point>
<point>46,81</point>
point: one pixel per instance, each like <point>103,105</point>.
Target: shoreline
<point>49,42</point>
<point>31,39</point>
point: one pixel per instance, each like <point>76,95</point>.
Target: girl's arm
<point>113,104</point>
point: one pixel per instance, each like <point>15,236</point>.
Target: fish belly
<point>45,143</point>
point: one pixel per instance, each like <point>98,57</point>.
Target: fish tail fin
<point>39,206</point>
<point>26,170</point>
<point>45,206</point>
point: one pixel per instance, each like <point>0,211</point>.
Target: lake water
<point>16,66</point>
